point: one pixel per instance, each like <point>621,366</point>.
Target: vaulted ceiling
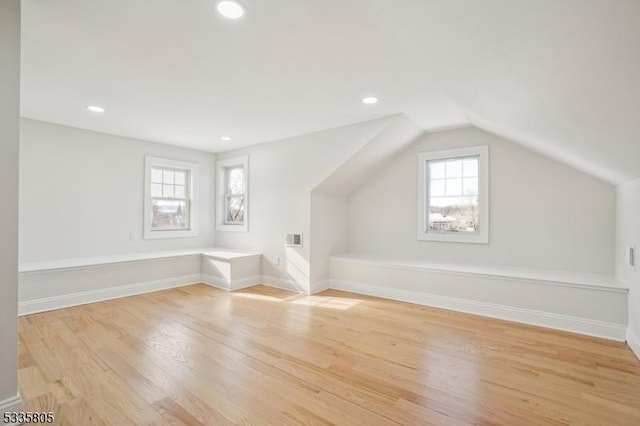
<point>562,77</point>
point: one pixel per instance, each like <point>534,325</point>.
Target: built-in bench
<point>591,304</point>
<point>62,283</point>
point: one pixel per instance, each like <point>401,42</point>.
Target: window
<point>170,202</point>
<point>453,195</point>
<point>233,197</point>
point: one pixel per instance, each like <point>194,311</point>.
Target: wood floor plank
<point>197,355</point>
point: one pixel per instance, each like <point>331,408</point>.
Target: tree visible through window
<point>170,198</point>
<point>453,195</point>
<point>170,202</point>
<point>234,195</point>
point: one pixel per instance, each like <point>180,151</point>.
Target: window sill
<point>156,235</point>
<point>232,228</point>
<point>454,238</point>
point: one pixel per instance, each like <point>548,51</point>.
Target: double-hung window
<point>170,198</point>
<point>233,197</point>
<point>454,195</point>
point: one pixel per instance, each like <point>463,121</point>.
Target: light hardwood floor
<point>198,355</point>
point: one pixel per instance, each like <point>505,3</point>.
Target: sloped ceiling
<point>399,133</point>
<point>562,77</point>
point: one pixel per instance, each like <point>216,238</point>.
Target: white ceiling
<point>562,77</point>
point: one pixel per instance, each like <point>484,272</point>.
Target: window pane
<point>156,190</point>
<point>470,186</point>
<point>453,214</point>
<point>180,178</point>
<point>170,215</point>
<point>436,188</point>
<point>179,191</point>
<point>234,209</point>
<point>167,191</point>
<point>235,177</point>
<point>167,176</point>
<point>454,187</point>
<point>436,169</point>
<point>156,175</point>
<point>454,168</point>
<point>470,167</point>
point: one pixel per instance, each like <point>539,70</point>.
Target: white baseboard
<point>74,299</point>
<point>10,405</point>
<point>92,296</point>
<point>320,286</point>
<point>270,281</point>
<point>214,281</point>
<point>633,341</point>
<point>223,284</point>
<point>282,283</point>
<point>246,282</point>
<point>588,327</point>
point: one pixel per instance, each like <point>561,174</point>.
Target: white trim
<point>194,175</point>
<point>228,256</point>
<point>597,282</point>
<point>221,165</point>
<point>74,299</point>
<point>482,237</point>
<point>241,283</point>
<point>213,281</point>
<point>282,283</point>
<point>269,281</point>
<point>224,284</point>
<point>448,128</point>
<point>633,341</point>
<point>320,286</point>
<point>89,263</point>
<point>588,327</point>
<point>11,405</point>
<point>219,253</point>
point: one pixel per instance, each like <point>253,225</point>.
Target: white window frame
<point>480,237</point>
<point>192,191</point>
<point>221,168</point>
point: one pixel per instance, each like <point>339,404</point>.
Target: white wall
<point>543,214</point>
<point>329,229</point>
<point>628,234</point>
<point>282,175</point>
<point>81,193</point>
<point>547,301</point>
<point>9,147</point>
<point>329,200</point>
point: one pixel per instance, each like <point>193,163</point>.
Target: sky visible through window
<point>235,195</point>
<point>453,194</point>
<point>170,204</point>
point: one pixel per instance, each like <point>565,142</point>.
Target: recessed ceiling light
<point>370,100</point>
<point>95,108</point>
<point>225,138</point>
<point>230,9</point>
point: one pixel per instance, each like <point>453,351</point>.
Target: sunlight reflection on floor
<point>318,301</point>
<point>257,297</point>
<point>327,302</point>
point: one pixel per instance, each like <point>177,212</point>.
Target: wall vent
<point>293,240</point>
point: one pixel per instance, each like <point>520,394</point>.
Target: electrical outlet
<point>133,236</point>
<point>275,260</point>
